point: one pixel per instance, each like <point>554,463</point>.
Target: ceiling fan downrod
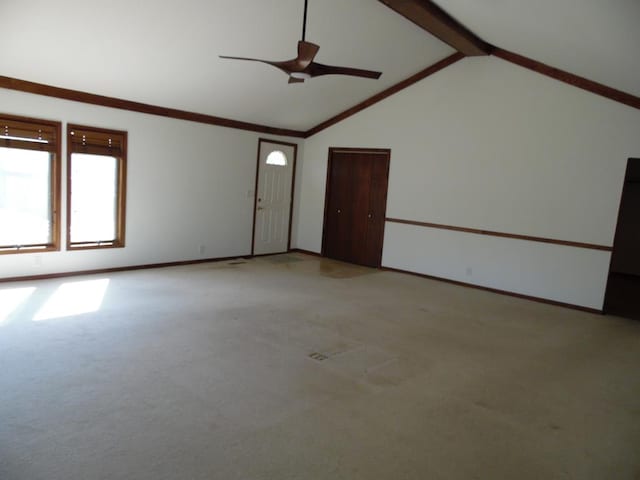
<point>304,21</point>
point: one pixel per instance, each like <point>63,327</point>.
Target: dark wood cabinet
<point>355,205</point>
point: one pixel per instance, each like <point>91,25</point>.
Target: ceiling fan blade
<point>284,66</point>
<point>248,59</point>
<point>296,80</point>
<point>317,69</point>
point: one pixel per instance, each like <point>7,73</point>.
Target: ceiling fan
<point>303,67</point>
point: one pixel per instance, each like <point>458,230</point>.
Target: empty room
<point>319,239</point>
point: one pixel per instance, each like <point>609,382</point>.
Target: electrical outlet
<point>469,271</point>
<point>37,260</point>
<point>201,249</point>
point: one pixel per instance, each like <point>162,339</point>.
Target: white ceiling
<point>596,39</point>
<point>165,52</point>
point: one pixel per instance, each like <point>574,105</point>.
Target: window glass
<point>25,200</point>
<point>278,158</point>
<point>94,202</point>
<point>29,185</point>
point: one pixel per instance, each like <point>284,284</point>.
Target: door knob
<point>370,215</point>
<point>338,210</point>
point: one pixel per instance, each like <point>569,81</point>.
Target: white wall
<point>187,185</point>
<point>486,144</point>
<point>482,144</point>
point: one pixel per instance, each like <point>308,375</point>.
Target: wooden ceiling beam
<point>440,24</point>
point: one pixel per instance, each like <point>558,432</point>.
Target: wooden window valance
<point>28,135</point>
<point>96,142</point>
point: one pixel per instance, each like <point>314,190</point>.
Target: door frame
<point>327,193</point>
<point>255,190</point>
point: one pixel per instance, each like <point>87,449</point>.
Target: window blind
<point>96,142</point>
<point>28,135</point>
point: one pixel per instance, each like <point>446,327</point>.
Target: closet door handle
<point>370,215</point>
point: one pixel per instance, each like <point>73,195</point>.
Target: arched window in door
<point>278,158</point>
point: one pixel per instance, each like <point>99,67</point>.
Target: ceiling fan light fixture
<point>300,75</point>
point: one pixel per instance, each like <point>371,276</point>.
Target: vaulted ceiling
<point>595,39</point>
<point>166,52</point>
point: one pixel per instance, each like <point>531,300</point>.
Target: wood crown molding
<point>476,231</point>
<point>569,78</point>
<point>112,102</point>
<point>556,73</point>
<point>430,17</point>
<point>430,70</point>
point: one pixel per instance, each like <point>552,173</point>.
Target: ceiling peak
<point>441,25</point>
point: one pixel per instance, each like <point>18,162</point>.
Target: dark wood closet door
<point>356,238</point>
<point>372,249</point>
<point>338,211</point>
<point>356,203</point>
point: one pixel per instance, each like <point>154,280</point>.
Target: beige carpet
<point>302,368</point>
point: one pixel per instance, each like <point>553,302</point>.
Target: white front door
<point>273,197</point>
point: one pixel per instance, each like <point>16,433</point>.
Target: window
<point>277,158</point>
<point>96,184</point>
<point>29,185</point>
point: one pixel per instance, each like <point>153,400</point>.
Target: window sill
<point>29,249</point>
<point>94,246</point>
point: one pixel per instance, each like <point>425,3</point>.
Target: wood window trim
<point>53,133</point>
<point>97,144</point>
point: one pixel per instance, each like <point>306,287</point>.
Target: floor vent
<point>318,356</point>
